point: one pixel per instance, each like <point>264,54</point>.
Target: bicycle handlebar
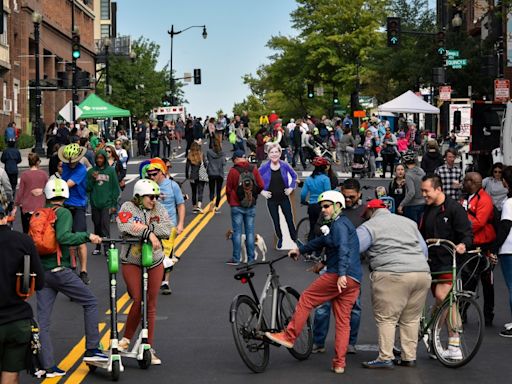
<point>249,266</point>
<point>129,241</point>
<point>440,242</point>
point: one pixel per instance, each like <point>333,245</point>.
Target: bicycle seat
<point>244,275</point>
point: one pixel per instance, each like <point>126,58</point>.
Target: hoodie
<point>103,189</point>
<point>430,161</point>
<point>216,163</point>
<point>413,195</point>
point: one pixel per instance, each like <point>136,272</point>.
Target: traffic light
<point>311,91</point>
<point>335,98</point>
<point>83,79</point>
<point>197,76</point>
<point>166,101</point>
<point>440,39</point>
<point>75,45</point>
<point>394,31</point>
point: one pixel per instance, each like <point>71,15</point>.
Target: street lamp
<point>37,18</point>
<point>106,43</point>
<point>173,33</point>
<point>457,21</point>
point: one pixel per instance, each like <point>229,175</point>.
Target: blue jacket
<point>266,172</point>
<point>341,249</point>
<point>314,186</point>
<point>11,157</point>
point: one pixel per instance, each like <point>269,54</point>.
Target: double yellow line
<point>182,242</point>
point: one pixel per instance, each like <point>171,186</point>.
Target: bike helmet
<point>332,196</point>
<point>56,188</point>
<point>409,157</point>
<point>320,162</point>
<point>145,187</point>
<point>71,153</point>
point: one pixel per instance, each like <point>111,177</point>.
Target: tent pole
<point>131,135</point>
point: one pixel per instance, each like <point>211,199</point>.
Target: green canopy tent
<point>94,107</point>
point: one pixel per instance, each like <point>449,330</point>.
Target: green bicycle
<point>459,315</point>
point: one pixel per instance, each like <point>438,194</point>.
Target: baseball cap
<point>238,154</point>
<point>375,203</point>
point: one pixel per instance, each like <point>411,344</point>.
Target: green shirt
<point>104,189</point>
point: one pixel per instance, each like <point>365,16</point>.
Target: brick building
<point>17,62</point>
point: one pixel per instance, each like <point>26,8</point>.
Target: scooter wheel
<point>146,359</point>
<point>116,370</point>
<point>92,368</point>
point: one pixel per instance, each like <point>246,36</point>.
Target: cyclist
<point>339,284</point>
<point>400,279</point>
<point>444,218</point>
<point>145,218</point>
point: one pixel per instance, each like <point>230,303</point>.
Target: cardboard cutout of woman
<point>280,180</point>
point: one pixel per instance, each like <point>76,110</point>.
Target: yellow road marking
<point>70,360</point>
<point>82,370</point>
<point>125,312</point>
<point>120,302</point>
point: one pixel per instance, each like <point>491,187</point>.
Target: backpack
<point>10,134</point>
<point>417,138</point>
<point>284,140</point>
<point>247,190</point>
<point>42,232</point>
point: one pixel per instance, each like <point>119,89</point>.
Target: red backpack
<point>42,232</point>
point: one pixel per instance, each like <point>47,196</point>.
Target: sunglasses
<point>108,151</point>
<point>326,206</point>
<point>152,174</point>
<point>152,197</point>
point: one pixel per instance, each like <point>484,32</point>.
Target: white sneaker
<point>452,353</point>
<point>155,360</point>
<point>508,326</point>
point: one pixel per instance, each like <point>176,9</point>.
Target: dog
<point>259,243</point>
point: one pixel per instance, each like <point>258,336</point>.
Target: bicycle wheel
<point>287,301</point>
<point>303,228</point>
<point>467,320</point>
<point>253,350</point>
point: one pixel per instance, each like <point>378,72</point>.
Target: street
<point>193,334</point>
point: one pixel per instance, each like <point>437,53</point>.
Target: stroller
<point>360,162</point>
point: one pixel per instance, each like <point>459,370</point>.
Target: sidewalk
<point>24,159</point>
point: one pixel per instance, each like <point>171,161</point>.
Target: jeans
<point>323,317</point>
<point>286,207</point>
<point>243,216</point>
<point>68,283</point>
<point>506,268</point>
<point>298,151</point>
<point>414,212</point>
<point>388,160</point>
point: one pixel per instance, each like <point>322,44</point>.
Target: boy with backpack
<point>243,185</point>
<point>51,230</point>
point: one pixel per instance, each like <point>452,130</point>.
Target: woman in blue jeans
<point>280,180</point>
<point>504,243</point>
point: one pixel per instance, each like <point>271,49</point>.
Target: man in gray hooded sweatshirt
<point>413,204</point>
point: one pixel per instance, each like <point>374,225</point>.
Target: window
<point>3,36</point>
<point>105,30</point>
<point>105,10</point>
<point>15,96</point>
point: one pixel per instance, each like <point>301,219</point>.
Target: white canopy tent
<point>408,102</point>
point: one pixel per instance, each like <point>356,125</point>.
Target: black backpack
<point>284,140</point>
<point>247,190</point>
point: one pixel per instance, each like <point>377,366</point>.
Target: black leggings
<point>273,208</point>
<point>197,191</point>
<point>215,185</point>
<point>314,211</point>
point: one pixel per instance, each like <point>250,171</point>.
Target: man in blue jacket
<point>340,283</point>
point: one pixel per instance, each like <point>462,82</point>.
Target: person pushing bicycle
<point>340,284</point>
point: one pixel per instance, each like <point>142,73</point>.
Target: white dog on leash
<point>259,243</point>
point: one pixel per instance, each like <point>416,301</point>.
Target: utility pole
<point>74,96</point>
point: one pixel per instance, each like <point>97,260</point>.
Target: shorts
<point>79,223</point>
<point>442,276</point>
<point>14,344</point>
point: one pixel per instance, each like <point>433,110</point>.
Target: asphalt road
<point>193,334</point>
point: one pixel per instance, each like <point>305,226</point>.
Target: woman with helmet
<point>146,219</point>
<point>339,284</point>
<point>314,185</point>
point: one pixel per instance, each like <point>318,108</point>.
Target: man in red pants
<point>340,284</point>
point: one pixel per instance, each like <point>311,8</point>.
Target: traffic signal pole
<point>74,90</point>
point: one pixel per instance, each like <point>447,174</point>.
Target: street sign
<point>501,90</point>
<point>445,92</point>
<point>65,112</point>
<point>456,63</point>
<point>451,53</point>
<point>441,51</point>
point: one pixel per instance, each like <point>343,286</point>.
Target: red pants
<point>321,290</point>
<point>132,275</point>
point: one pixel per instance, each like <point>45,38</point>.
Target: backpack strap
<point>55,208</point>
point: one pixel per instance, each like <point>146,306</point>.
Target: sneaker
<point>378,364</point>
<point>96,252</point>
<point>453,353</point>
<point>338,369</point>
<point>405,363</point>
<point>123,344</point>
<point>508,326</point>
<point>351,349</point>
<point>85,277</point>
<point>318,349</point>
<point>279,338</point>
<point>232,262</point>
<point>54,372</point>
<point>155,360</point>
<point>95,355</point>
<point>165,289</point>
<point>506,332</point>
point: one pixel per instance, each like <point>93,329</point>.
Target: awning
<point>408,102</point>
<point>95,107</point>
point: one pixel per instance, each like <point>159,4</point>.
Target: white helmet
<point>332,196</point>
<point>145,187</point>
<point>56,188</point>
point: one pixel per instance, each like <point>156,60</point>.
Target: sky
<point>238,31</point>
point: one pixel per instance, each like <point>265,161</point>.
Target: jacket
<point>11,157</point>
<point>413,195</point>
<point>480,211</point>
<point>216,163</point>
<point>341,248</point>
<point>286,170</point>
<point>431,161</point>
<point>104,188</point>
<point>314,186</point>
<point>447,221</point>
<point>232,182</point>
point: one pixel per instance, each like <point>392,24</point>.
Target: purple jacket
<point>285,169</point>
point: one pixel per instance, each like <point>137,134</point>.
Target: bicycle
<point>249,320</point>
<point>459,313</point>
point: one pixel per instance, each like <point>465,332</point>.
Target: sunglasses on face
<point>152,174</point>
<point>108,151</point>
<point>326,206</point>
<point>152,197</point>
